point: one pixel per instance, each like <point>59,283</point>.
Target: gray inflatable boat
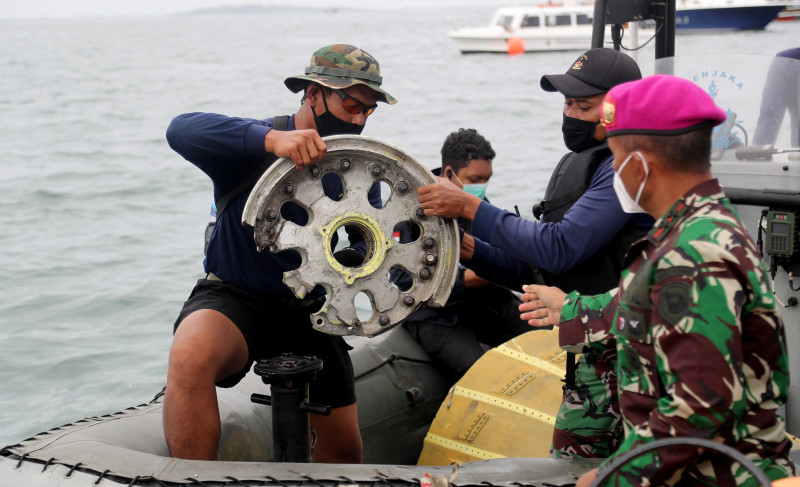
<point>399,393</point>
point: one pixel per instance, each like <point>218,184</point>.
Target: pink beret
<point>658,105</point>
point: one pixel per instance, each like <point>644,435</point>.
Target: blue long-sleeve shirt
<point>508,248</point>
<point>228,150</point>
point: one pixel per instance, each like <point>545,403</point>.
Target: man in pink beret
<point>700,346</point>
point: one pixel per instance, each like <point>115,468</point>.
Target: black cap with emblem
<point>594,72</point>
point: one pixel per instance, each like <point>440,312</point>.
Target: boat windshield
<point>762,101</point>
<point>504,21</point>
<point>557,20</point>
<point>530,21</point>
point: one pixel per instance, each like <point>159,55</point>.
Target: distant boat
<point>529,29</point>
<point>792,12</point>
<point>715,15</point>
<point>565,27</point>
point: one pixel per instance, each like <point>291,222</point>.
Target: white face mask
<point>630,205</point>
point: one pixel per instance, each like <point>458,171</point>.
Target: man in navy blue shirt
<point>578,242</point>
<point>242,312</point>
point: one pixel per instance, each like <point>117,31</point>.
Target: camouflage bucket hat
<point>340,66</point>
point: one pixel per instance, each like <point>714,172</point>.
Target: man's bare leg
<point>338,436</point>
<point>207,347</point>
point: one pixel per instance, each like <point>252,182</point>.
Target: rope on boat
<point>146,478</point>
<point>311,479</point>
<point>69,474</point>
<point>21,459</point>
<point>383,479</point>
<point>47,464</point>
<point>686,442</point>
<point>100,477</point>
<point>196,482</point>
<point>273,479</point>
<point>391,358</point>
<point>158,395</point>
<point>341,481</point>
<point>234,479</point>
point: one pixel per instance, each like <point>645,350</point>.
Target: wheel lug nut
<point>428,243</point>
<point>288,189</point>
<point>272,215</point>
<point>344,164</point>
<point>376,170</point>
<point>409,301</point>
<point>383,320</point>
<point>430,259</point>
<point>424,273</point>
<point>420,213</point>
<point>403,187</point>
<point>314,171</point>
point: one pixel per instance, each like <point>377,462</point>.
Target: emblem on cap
<point>579,63</point>
<point>607,113</point>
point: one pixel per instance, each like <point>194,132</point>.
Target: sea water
<point>101,224</point>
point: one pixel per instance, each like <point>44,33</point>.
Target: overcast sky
<point>10,9</point>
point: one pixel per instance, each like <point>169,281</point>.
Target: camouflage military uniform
<point>588,422</point>
<point>699,343</point>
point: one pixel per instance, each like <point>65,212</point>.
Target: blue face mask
<point>478,190</point>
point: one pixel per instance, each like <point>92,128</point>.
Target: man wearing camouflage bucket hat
<point>700,345</point>
<point>341,66</point>
<point>241,311</point>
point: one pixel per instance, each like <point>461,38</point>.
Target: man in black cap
<point>242,312</point>
<point>578,242</point>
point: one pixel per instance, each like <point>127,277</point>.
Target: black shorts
<point>273,326</point>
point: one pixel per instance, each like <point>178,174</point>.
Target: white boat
<point>529,29</point>
<point>565,27</point>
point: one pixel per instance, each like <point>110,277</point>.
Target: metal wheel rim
<point>360,162</point>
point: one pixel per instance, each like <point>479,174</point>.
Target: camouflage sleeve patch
<point>674,301</point>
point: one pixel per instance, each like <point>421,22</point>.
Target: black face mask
<point>330,124</point>
<point>579,134</point>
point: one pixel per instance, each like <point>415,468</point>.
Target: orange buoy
<point>516,45</point>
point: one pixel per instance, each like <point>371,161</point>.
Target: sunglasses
<point>354,106</point>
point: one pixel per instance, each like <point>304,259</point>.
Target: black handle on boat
<point>725,450</point>
<point>261,399</point>
<point>306,407</point>
<point>759,152</point>
<point>310,407</point>
<point>775,198</point>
